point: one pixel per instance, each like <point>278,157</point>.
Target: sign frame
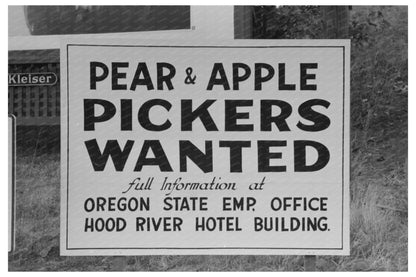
<point>345,247</point>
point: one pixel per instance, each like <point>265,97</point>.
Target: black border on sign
<point>205,248</point>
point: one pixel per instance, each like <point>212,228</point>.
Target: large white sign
<point>237,147</point>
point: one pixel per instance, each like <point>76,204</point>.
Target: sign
<point>12,180</point>
<point>227,148</point>
<point>32,79</point>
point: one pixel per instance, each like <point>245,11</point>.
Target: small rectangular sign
<point>32,79</point>
<point>238,147</point>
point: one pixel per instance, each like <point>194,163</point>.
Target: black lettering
<point>304,76</point>
<point>167,79</point>
<point>112,148</point>
<point>115,76</point>
<point>126,117</point>
<point>282,79</point>
<point>145,81</point>
<point>259,79</point>
<point>188,116</point>
<point>231,115</point>
<point>201,159</point>
<point>300,156</point>
<point>222,81</point>
<point>321,121</point>
<point>236,149</point>
<point>144,119</point>
<point>264,155</point>
<point>94,78</point>
<point>280,120</point>
<point>239,78</point>
<point>160,158</point>
<point>89,112</point>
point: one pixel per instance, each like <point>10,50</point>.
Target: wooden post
<point>310,263</point>
<point>336,21</point>
<point>336,26</point>
<point>243,22</point>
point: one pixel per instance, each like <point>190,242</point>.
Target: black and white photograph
<point>208,138</point>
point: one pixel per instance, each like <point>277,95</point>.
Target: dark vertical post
<point>243,22</point>
<point>336,21</point>
<point>336,26</point>
<point>310,263</point>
